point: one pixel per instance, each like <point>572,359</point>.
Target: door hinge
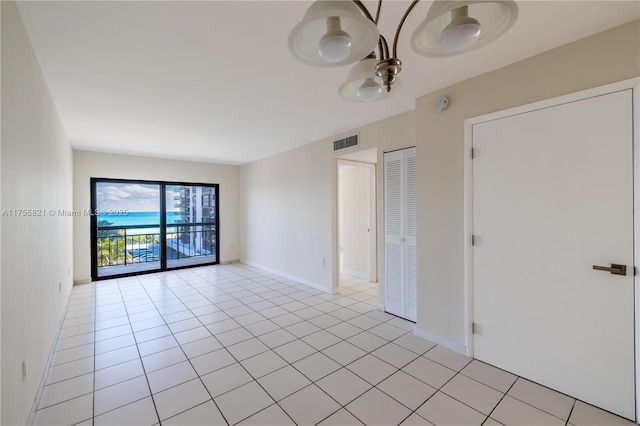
<point>473,153</point>
<point>473,240</point>
<point>473,328</point>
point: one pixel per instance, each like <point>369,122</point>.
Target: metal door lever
<point>614,269</point>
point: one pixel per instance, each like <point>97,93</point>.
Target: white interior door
<point>553,196</point>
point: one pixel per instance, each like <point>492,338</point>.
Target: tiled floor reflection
<point>236,345</point>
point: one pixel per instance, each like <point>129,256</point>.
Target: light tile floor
<point>236,345</point>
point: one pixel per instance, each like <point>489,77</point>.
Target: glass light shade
<point>361,82</point>
<point>495,16</point>
<point>304,39</point>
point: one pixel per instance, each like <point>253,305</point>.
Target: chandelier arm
<point>380,47</point>
<point>364,10</point>
<point>404,18</point>
<point>384,48</point>
<point>378,12</point>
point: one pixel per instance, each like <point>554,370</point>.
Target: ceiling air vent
<point>345,143</point>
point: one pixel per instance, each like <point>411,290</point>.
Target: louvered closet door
<point>394,300</point>
<point>410,234</point>
<point>400,233</point>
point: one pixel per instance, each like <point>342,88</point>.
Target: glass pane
<point>128,227</point>
<point>191,225</point>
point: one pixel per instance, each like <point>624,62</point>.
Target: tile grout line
<point>458,372</point>
<point>503,397</point>
<point>238,362</point>
<point>415,411</point>
<point>47,373</point>
<point>240,302</point>
<point>186,356</point>
<point>139,357</point>
<point>344,406</point>
<point>571,412</point>
<point>180,287</point>
<point>288,364</point>
<point>314,382</point>
<point>540,409</point>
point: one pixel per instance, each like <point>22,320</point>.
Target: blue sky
<point>132,197</point>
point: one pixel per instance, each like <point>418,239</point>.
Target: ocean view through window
<point>142,226</point>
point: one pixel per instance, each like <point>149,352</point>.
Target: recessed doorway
<point>356,217</point>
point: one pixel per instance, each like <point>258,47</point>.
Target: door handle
<point>614,269</point>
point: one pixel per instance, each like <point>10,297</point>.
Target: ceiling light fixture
<point>362,84</point>
<point>341,32</point>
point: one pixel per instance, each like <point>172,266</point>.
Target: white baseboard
<point>229,262</point>
<point>440,340</point>
<point>36,401</point>
<point>311,284</point>
<point>82,281</point>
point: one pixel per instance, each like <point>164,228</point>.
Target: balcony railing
<point>124,245</point>
<point>140,244</point>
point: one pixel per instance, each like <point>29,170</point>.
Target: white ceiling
<point>214,81</point>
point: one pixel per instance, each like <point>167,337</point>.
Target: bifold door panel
<point>400,233</point>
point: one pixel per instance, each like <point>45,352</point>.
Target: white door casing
<point>549,194</point>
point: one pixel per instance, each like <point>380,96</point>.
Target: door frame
<point>373,217</point>
<point>634,85</point>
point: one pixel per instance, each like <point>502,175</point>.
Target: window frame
<point>163,225</point>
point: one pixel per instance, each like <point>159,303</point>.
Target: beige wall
<point>604,58</point>
<point>289,203</point>
<point>285,205</point>
<point>36,251</point>
<point>88,164</point>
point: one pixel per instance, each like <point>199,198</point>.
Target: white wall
<point>289,203</point>
<point>87,164</point>
<point>36,253</point>
<point>356,208</point>
<point>604,58</point>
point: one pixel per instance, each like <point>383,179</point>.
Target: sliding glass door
<point>191,231</point>
<point>140,226</point>
<point>127,227</point>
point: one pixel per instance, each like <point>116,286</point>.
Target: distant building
<point>197,205</point>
